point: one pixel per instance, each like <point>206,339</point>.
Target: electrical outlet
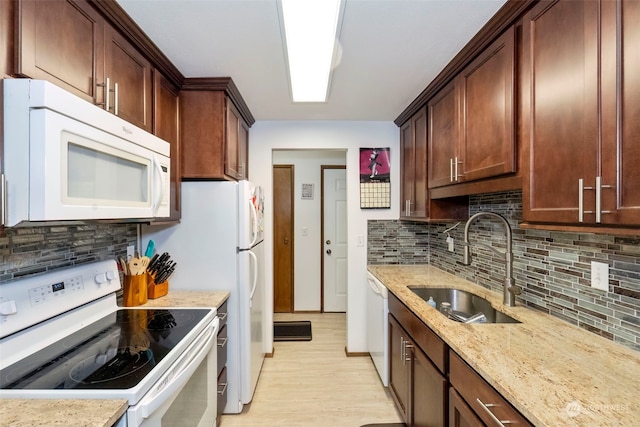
<point>600,275</point>
<point>305,231</point>
<point>360,240</point>
<point>131,251</point>
<point>450,245</point>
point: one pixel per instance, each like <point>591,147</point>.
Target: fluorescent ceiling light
<point>310,30</point>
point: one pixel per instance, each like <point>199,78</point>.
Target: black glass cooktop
<point>115,352</point>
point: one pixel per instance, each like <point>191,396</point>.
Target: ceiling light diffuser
<point>310,30</point>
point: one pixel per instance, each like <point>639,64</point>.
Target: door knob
<point>328,251</point>
<point>286,241</point>
<point>328,242</point>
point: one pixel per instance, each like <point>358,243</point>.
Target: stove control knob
<point>100,278</point>
<point>111,275</point>
<point>8,307</point>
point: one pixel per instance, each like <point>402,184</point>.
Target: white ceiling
<point>391,50</point>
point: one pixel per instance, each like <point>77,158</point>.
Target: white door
<point>335,240</point>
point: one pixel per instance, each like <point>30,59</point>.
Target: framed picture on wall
<point>375,178</point>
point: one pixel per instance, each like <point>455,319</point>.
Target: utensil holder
<point>134,292</point>
<point>157,290</point>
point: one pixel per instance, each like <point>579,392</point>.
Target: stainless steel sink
<point>465,306</point>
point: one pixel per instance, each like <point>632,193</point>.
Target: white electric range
<point>62,335</point>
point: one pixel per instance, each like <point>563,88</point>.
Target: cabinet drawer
<point>483,399</point>
<point>222,392</point>
<point>424,337</point>
<point>222,314</point>
<point>222,348</point>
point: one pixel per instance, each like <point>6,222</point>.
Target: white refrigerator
<point>218,245</point>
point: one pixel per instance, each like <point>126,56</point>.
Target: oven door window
<point>98,173</point>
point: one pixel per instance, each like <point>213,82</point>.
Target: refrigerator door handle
<point>254,223</point>
<point>255,277</point>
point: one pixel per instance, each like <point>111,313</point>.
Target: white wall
<point>326,135</point>
<point>306,215</point>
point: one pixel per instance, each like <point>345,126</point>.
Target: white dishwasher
<point>378,326</point>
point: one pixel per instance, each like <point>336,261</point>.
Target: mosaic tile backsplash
<point>36,250</point>
<point>553,268</point>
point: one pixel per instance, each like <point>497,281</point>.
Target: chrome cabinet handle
<point>402,350</point>
<point>599,187</point>
<point>107,91</point>
<point>581,210</point>
<point>3,200</point>
<point>407,207</point>
<point>115,99</point>
<point>407,356</point>
<point>486,407</point>
<point>223,342</point>
<point>450,170</point>
<point>224,389</point>
<point>223,316</point>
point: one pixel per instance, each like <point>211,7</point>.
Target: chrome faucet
<point>510,290</point>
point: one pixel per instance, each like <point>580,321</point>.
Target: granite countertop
<point>553,372</point>
<point>61,412</point>
<point>175,298</point>
<point>93,412</point>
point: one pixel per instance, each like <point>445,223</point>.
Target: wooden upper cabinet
<point>620,113</point>
<point>129,75</point>
<point>214,130</point>
<point>443,136</point>
<point>487,111</point>
<point>413,152</point>
<point>580,115</point>
<point>62,41</point>
<point>166,120</point>
<point>472,120</point>
<point>7,38</point>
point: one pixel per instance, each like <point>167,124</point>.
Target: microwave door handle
<point>157,172</point>
<point>186,366</point>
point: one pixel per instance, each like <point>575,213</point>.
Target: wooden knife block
<point>156,290</point>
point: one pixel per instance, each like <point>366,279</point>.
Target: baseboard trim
<point>270,354</point>
<point>356,353</point>
<point>306,312</point>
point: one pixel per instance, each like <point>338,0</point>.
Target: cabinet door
<point>398,369</point>
<point>429,406</point>
<point>7,37</point>
<point>231,166</point>
<point>460,414</point>
<point>413,139</point>
<point>202,119</point>
<point>131,72</point>
<point>560,118</point>
<point>63,42</point>
<point>165,126</point>
<point>487,124</point>
<point>620,112</point>
<point>243,150</point>
<point>443,136</point>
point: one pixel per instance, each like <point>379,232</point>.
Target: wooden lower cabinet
<point>460,414</point>
<point>429,392</point>
<point>399,382</point>
<point>432,386</point>
<point>417,385</point>
<point>482,399</point>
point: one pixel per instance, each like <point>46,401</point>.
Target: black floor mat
<point>292,331</point>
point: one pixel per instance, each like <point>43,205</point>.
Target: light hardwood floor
<point>314,384</point>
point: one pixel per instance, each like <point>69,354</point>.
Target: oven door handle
<point>174,380</point>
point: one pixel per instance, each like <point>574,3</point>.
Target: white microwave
<point>67,159</point>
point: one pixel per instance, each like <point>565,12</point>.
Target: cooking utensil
<point>137,266</point>
<point>150,249</point>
